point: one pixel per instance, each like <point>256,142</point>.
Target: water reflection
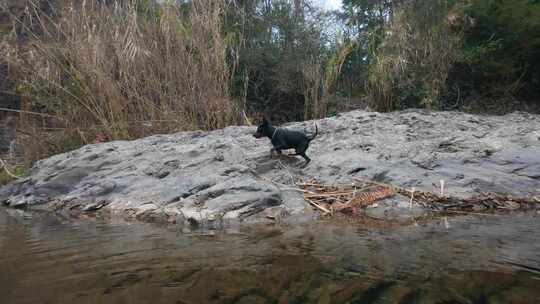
<point>54,259</point>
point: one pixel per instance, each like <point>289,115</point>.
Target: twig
<point>442,187</point>
<point>319,207</point>
<point>287,169</point>
<point>4,166</point>
<point>379,184</point>
<point>248,122</point>
<point>412,197</point>
<point>29,112</point>
<point>328,194</point>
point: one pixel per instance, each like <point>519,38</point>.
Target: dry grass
<point>123,70</point>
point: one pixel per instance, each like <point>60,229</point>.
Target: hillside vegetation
<point>87,71</point>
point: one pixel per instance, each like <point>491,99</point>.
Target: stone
<point>227,175</point>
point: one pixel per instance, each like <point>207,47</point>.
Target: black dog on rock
<point>283,139</point>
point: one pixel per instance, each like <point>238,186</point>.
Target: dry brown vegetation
<point>86,71</point>
<point>122,71</point>
<point>354,197</point>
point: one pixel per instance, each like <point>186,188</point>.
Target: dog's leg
<point>274,149</point>
<point>301,150</point>
<point>303,154</point>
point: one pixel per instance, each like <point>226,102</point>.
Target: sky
<point>329,4</point>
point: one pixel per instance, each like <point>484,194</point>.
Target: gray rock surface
<point>227,174</point>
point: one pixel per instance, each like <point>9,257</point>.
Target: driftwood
<point>355,196</point>
<point>366,198</point>
<point>343,198</point>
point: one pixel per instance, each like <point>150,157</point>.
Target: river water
<point>50,258</point>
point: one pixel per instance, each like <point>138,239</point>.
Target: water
<point>47,258</point>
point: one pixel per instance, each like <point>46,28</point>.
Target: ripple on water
<point>48,258</point>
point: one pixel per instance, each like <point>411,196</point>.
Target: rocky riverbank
<point>228,175</point>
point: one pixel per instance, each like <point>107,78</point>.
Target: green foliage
<point>502,42</point>
<point>448,54</point>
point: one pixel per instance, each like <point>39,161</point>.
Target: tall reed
<point>126,69</point>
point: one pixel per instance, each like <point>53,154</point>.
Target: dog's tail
<point>314,135</point>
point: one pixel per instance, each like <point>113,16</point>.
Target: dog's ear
<point>265,121</point>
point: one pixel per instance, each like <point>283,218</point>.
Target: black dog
<point>283,139</point>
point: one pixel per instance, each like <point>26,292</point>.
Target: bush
<point>498,67</point>
<point>409,68</point>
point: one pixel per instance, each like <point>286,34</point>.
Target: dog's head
<point>261,129</point>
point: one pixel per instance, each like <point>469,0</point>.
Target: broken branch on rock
<point>353,197</point>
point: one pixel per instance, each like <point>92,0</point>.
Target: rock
<point>224,175</point>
